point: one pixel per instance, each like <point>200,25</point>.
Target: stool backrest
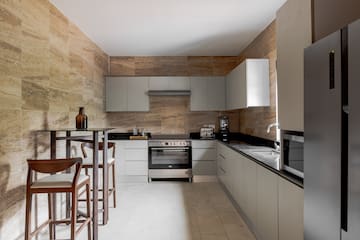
<point>53,166</point>
<point>89,145</point>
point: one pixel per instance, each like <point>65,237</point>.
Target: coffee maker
<point>224,128</point>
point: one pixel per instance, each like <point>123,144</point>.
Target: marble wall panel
<point>34,96</point>
<point>48,68</point>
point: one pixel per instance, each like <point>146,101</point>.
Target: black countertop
<point>237,138</point>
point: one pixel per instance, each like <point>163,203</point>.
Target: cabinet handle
<point>332,69</point>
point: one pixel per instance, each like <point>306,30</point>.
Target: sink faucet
<point>276,145</point>
<point>271,126</point>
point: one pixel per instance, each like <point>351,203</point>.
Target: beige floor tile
<point>213,237</point>
<point>236,232</point>
<point>171,211</point>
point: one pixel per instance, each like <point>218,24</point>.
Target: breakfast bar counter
<point>87,135</point>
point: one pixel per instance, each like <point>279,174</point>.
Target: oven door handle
<point>171,149</point>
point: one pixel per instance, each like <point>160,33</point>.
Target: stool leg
<point>51,216</point>
<point>88,209</point>
<point>114,184</point>
<point>28,216</point>
<point>73,214</point>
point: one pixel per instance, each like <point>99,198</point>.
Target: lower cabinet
<point>291,211</point>
<point>272,205</point>
<point>131,160</point>
<point>267,204</point>
<point>204,159</point>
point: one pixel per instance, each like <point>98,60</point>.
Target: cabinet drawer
<point>136,155</point>
<point>136,168</point>
<point>136,144</point>
<point>203,144</point>
<point>204,167</point>
<point>203,154</point>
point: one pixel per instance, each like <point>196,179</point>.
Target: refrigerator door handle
<point>332,69</point>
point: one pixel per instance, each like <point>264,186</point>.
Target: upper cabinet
<point>248,85</point>
<point>293,26</point>
<point>127,94</point>
<point>331,15</point>
<point>169,83</point>
<point>207,93</point>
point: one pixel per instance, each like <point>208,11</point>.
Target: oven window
<point>169,156</point>
<point>294,155</point>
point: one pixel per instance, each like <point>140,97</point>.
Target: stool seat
<point>64,180</point>
<point>89,162</point>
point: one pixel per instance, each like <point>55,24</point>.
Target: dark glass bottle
<point>81,119</point>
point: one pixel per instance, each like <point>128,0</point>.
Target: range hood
<point>169,92</point>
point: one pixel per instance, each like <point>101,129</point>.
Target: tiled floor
<point>174,211</point>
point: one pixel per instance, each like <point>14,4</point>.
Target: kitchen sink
<point>247,147</point>
<point>267,156</point>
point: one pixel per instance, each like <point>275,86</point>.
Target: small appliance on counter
<point>224,128</point>
<point>207,132</point>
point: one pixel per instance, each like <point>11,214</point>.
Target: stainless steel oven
<point>292,152</point>
<point>170,159</point>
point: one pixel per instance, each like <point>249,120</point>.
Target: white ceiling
<point>171,27</point>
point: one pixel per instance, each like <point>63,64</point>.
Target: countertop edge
<point>288,176</point>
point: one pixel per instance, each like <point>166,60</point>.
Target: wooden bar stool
<point>88,163</point>
<point>57,183</point>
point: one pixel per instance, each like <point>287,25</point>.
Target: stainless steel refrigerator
<point>332,137</point>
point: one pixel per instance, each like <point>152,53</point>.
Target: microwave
<point>292,152</point>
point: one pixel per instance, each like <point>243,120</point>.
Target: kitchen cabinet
<point>272,205</point>
<point>127,94</point>
<point>131,160</point>
<point>169,83</point>
<point>204,160</point>
<point>267,204</point>
<point>293,26</point>
<point>207,93</point>
<point>331,15</point>
<point>250,190</point>
<point>221,162</point>
<point>116,94</point>
<point>291,211</point>
<point>248,85</point>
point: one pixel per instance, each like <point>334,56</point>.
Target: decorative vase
<point>81,119</point>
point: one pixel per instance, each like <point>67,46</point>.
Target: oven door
<point>293,154</point>
<point>169,157</point>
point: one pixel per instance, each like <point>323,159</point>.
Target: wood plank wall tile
<point>48,69</point>
<point>168,115</point>
<point>172,66</point>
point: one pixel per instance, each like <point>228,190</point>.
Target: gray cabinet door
<point>138,100</point>
<point>291,212</point>
<point>293,34</point>
<point>267,204</point>
<point>198,99</point>
<point>116,94</point>
<point>216,93</point>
